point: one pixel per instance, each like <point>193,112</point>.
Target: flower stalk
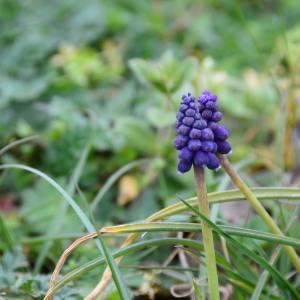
<point>208,242</point>
<point>258,207</point>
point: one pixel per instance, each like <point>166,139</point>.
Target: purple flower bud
<point>194,145</point>
<point>213,161</point>
<point>183,129</point>
<point>190,112</point>
<point>206,114</point>
<point>207,134</point>
<point>195,133</point>
<point>201,107</point>
<point>200,124</point>
<point>179,116</point>
<point>198,116</point>
<point>200,158</point>
<point>184,166</point>
<point>207,146</point>
<point>186,154</point>
<point>217,116</point>
<point>183,107</point>
<point>215,148</point>
<point>188,121</point>
<point>223,147</point>
<point>213,126</point>
<point>221,133</point>
<point>207,96</point>
<point>211,105</point>
<point>180,141</point>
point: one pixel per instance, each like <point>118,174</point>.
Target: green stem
<point>237,180</point>
<point>208,241</point>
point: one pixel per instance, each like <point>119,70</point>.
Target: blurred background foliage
<point>106,77</point>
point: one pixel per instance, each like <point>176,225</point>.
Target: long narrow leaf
<point>233,277</point>
<point>113,178</point>
<point>116,274</point>
<point>62,211</point>
<point>276,193</point>
<point>6,234</point>
<point>194,227</point>
<point>265,274</point>
<point>284,284</point>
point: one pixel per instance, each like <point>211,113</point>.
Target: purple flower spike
<point>208,102</point>
<point>199,135</point>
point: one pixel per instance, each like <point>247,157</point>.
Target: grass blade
<point>232,276</point>
<point>5,234</point>
<point>276,193</point>
<point>194,227</point>
<point>113,178</point>
<point>197,290</point>
<point>17,143</point>
<point>284,284</point>
<point>59,218</point>
<point>265,274</point>
<point>116,274</point>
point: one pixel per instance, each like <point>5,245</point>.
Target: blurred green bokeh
<point>109,75</point>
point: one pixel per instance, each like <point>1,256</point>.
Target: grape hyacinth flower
<point>199,137</point>
<point>209,111</point>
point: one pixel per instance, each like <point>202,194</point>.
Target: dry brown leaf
<point>128,190</point>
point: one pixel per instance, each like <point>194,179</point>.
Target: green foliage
<point>26,286</point>
<point>167,74</point>
<point>107,76</point>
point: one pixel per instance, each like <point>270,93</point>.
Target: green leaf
<point>194,227</point>
<point>10,263</point>
<point>234,277</point>
<point>160,118</point>
<point>198,292</point>
<point>166,74</point>
<point>134,133</point>
<point>113,178</point>
<point>6,234</point>
<point>276,193</point>
<point>116,274</point>
<point>281,281</point>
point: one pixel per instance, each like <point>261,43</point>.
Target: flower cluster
<point>209,110</point>
<point>199,136</point>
